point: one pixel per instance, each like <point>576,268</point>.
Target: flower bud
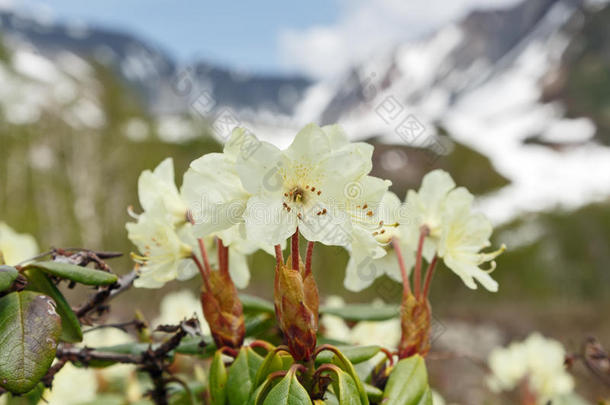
<point>296,307</point>
<point>223,310</point>
<point>415,325</point>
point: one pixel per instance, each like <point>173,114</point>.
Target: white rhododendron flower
<point>537,361</point>
<point>15,247</point>
<point>315,184</point>
<point>371,254</point>
<point>212,188</point>
<point>165,255</point>
<point>443,214</point>
<point>159,187</point>
<point>463,236</point>
<point>180,305</point>
<point>426,208</point>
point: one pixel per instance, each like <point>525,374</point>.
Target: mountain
<point>526,86</point>
<point>157,78</point>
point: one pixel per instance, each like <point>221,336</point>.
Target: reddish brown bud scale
<point>415,325</point>
<point>223,310</point>
<point>296,307</point>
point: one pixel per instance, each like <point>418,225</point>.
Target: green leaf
<point>70,326</point>
<point>179,395</point>
<point>241,376</point>
<point>355,354</point>
<point>343,362</point>
<point>252,303</point>
<point>31,398</point>
<point>408,383</point>
<point>288,391</point>
<point>274,361</point>
<point>191,345</point>
<point>8,274</point>
<point>218,380</point>
<point>29,332</point>
<point>362,312</point>
<point>345,389</point>
<point>79,274</point>
<point>375,394</point>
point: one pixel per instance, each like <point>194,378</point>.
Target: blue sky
<point>320,38</point>
<point>233,33</point>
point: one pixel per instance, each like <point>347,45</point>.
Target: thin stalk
<point>204,255</point>
<point>418,259</point>
<point>202,271</point>
<point>223,257</point>
<point>308,257</point>
<point>406,288</point>
<point>429,274</point>
<point>295,250</point>
<point>279,257</point>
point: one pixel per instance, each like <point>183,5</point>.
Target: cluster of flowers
<point>255,196</point>
<point>535,365</point>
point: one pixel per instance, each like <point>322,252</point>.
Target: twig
<point>153,361</point>
<point>106,293</point>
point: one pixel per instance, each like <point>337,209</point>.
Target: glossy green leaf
<point>288,391</point>
<point>362,312</point>
<point>79,274</point>
<point>181,396</point>
<point>255,304</point>
<point>8,274</point>
<point>274,361</point>
<point>191,345</point>
<point>345,389</point>
<point>355,354</point>
<point>29,333</point>
<point>31,398</point>
<point>218,380</point>
<point>344,364</point>
<point>408,383</point>
<point>70,326</point>
<point>375,394</point>
<point>241,376</point>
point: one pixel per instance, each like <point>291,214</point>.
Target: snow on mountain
<point>482,80</point>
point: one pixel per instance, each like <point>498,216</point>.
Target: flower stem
<point>223,257</point>
<point>406,288</point>
<point>204,255</point>
<point>429,274</point>
<point>308,257</point>
<point>202,271</point>
<point>279,257</point>
<point>295,250</point>
<point>418,259</point>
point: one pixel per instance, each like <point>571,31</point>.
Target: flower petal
<point>213,193</point>
<point>238,268</point>
<point>267,221</point>
<point>259,171</point>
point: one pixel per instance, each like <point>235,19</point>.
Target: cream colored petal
<point>435,186</point>
<point>16,247</point>
<point>309,146</point>
<point>268,221</point>
<point>214,194</point>
<point>238,267</point>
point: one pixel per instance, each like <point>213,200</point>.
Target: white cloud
<point>365,27</point>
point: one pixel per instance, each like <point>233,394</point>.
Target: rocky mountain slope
<point>526,86</point>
